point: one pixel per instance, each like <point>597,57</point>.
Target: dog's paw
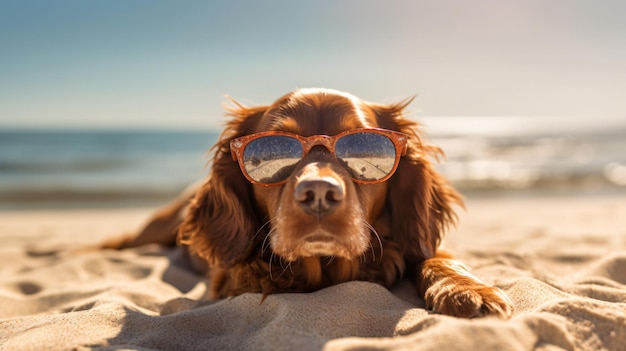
<point>469,299</point>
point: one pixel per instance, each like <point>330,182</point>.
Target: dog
<point>321,188</point>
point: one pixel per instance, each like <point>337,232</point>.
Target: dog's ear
<point>221,221</point>
<point>419,199</point>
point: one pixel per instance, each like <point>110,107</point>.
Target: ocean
<point>78,169</point>
<point>104,169</point>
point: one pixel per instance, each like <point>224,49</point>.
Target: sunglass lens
<point>271,159</point>
<point>367,156</point>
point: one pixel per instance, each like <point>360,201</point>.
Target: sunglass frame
<point>398,139</point>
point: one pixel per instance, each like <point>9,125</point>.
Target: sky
<point>154,64</point>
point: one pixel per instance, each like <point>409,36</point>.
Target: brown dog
<point>317,189</point>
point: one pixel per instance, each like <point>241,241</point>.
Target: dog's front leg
<point>448,287</point>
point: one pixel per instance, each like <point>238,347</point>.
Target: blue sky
<point>169,64</point>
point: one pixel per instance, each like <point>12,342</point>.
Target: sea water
<point>76,169</point>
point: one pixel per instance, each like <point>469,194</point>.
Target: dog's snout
<point>319,196</point>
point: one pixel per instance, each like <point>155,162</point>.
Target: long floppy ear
<point>221,221</point>
<point>420,199</point>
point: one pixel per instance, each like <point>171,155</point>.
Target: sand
<point>562,262</point>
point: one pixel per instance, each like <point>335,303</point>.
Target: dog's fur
<point>262,239</point>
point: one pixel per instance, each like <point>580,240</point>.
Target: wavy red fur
<point>263,239</point>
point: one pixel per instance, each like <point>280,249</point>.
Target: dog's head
<point>318,173</point>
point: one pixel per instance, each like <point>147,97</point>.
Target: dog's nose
<point>319,196</point>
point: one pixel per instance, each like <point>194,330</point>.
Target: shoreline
<point>113,202</point>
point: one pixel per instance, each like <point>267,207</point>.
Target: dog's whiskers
<point>267,243</point>
<point>288,266</point>
<point>263,245</point>
<point>363,258</point>
<point>271,259</point>
<point>380,242</point>
<point>261,227</point>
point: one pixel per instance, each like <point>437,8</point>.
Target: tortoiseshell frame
<point>398,139</point>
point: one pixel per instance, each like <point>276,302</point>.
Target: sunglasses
<point>370,155</point>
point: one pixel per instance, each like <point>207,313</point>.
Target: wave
<point>129,169</point>
<point>567,163</point>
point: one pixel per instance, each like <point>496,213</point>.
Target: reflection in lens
<point>271,159</point>
<point>367,156</point>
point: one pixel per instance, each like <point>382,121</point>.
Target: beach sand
<point>561,260</point>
